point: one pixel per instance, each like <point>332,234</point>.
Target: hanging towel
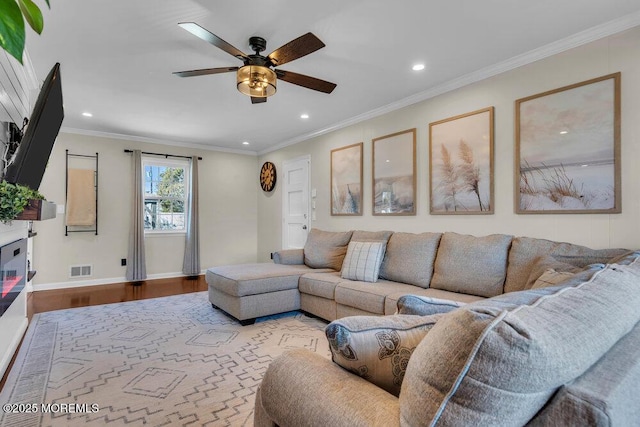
<point>81,197</point>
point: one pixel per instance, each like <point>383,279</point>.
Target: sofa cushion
<point>252,279</point>
<point>369,297</point>
<point>368,236</point>
<point>377,348</point>
<point>525,252</point>
<point>319,284</point>
<point>363,260</point>
<point>626,258</point>
<point>302,388</point>
<point>547,262</point>
<point>326,249</point>
<point>471,265</point>
<point>409,258</point>
<point>503,358</point>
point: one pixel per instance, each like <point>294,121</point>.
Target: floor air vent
<point>80,271</point>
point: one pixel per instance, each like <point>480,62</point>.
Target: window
<point>166,191</point>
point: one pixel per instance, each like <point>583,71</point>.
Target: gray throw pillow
<point>326,249</point>
<point>424,306</point>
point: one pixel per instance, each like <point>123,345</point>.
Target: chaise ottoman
<point>247,291</point>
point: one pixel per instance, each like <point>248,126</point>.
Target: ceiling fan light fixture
<point>256,81</point>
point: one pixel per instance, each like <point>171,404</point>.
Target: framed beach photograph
<point>346,180</point>
<point>394,174</point>
<point>568,149</point>
<point>461,164</point>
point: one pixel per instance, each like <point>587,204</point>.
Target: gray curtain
<point>136,265</point>
<point>191,263</point>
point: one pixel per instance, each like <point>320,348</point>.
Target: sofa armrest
<point>424,306</point>
<point>301,388</point>
<point>289,256</point>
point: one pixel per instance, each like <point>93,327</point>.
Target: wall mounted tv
<point>44,124</point>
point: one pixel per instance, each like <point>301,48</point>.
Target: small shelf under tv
<point>38,210</point>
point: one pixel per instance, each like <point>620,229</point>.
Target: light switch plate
<point>60,209</point>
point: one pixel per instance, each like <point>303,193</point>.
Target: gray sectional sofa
<point>564,355</point>
<point>447,266</point>
<point>447,329</point>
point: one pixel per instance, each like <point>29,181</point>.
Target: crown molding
<point>135,138</point>
<point>583,37</point>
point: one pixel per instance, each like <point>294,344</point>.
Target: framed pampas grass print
<point>461,164</point>
<point>346,180</point>
<point>394,174</point>
<point>568,149</point>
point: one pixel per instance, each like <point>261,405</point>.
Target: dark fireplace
<point>13,269</point>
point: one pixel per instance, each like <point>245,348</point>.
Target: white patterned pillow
<point>363,261</point>
<point>377,348</point>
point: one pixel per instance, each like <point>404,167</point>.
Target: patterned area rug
<point>163,361</point>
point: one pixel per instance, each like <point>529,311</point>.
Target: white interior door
<point>295,202</point>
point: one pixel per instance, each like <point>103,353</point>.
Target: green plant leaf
<point>32,14</point>
<point>11,29</point>
<point>14,198</point>
<point>48,5</point>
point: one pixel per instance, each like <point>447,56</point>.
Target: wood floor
<point>41,301</point>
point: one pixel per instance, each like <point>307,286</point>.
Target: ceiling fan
<point>257,78</point>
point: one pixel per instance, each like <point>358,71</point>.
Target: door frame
<point>285,163</point>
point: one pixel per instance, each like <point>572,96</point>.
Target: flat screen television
<point>37,142</point>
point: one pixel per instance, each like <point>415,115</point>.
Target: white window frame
<point>172,163</point>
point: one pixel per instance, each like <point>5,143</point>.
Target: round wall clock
<point>268,176</point>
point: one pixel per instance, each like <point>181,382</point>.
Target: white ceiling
<point>117,59</point>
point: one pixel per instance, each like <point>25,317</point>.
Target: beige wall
<point>228,214</point>
<point>620,52</point>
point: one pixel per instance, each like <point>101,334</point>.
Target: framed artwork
<point>568,149</point>
<point>346,180</point>
<point>394,174</point>
<point>461,164</point>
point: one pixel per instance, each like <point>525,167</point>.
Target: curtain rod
<point>164,155</point>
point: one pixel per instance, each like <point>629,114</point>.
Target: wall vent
<point>80,270</point>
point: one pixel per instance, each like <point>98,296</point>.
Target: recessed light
<point>564,132</point>
<point>418,67</point>
<point>245,143</point>
<point>387,161</point>
<point>304,116</point>
<point>86,114</point>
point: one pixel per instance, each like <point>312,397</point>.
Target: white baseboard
<point>106,281</point>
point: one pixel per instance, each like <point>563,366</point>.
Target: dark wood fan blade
<point>208,36</point>
<point>295,49</point>
<point>306,81</point>
<point>258,100</point>
<point>205,71</point>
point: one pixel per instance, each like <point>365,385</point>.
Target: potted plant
<point>14,198</point>
<point>13,13</point>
